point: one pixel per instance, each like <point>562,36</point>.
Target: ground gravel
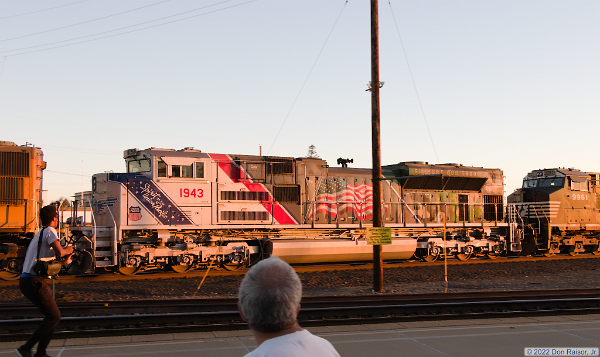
<point>512,275</point>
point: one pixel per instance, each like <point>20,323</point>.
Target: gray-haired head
<point>269,295</point>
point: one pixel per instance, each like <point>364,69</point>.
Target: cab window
<point>162,168</point>
<point>579,184</point>
<point>552,182</point>
<point>199,170</point>
<point>138,166</point>
<point>182,171</point>
<point>529,183</point>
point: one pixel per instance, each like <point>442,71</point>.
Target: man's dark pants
<point>39,293</point>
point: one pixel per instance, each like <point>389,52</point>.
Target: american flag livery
<point>336,197</point>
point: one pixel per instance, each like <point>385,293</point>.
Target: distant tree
<point>312,152</point>
<point>62,204</point>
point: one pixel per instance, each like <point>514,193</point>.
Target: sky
<point>502,84</point>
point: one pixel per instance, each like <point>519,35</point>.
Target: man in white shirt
<point>35,288</point>
<point>269,301</point>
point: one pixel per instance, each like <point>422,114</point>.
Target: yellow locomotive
<point>21,169</point>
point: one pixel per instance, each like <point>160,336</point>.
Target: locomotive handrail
<point>404,202</point>
<point>113,248</point>
<point>537,217</point>
<point>513,215</point>
<point>461,210</point>
<point>84,222</point>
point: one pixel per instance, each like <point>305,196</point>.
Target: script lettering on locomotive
<point>154,199</point>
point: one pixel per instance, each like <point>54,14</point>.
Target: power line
<point>307,77</point>
<point>414,83</point>
<point>123,33</point>
<point>66,173</point>
<point>113,129</point>
<point>84,22</point>
<point>34,12</point>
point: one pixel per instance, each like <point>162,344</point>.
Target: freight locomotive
<point>188,209</point>
<point>561,209</point>
<point>21,169</point>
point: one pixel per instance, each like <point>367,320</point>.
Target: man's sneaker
<point>23,352</point>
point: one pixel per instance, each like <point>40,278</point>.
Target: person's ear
<point>240,311</point>
<point>298,310</point>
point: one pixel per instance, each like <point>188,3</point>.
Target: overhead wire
<point>114,129</point>
<point>42,10</point>
<point>127,32</point>
<point>307,77</point>
<point>66,173</point>
<point>84,22</point>
<point>413,82</point>
<point>3,64</point>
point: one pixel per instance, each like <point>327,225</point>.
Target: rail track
<point>110,318</point>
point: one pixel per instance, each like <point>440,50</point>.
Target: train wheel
<point>180,268</point>
<point>492,255</point>
<point>548,254</point>
<point>429,258</point>
<point>462,256</point>
<point>596,250</point>
<point>181,264</point>
<point>232,266</point>
<point>81,264</point>
<point>12,271</point>
<point>572,249</point>
<point>467,253</point>
<point>9,275</point>
<point>131,267</point>
<point>129,270</point>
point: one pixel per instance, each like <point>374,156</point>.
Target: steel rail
<point>316,313</point>
<point>26,310</point>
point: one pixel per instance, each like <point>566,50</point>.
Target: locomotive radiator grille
<point>244,216</point>
<point>493,209</point>
<point>244,196</point>
<point>15,164</point>
<point>11,191</point>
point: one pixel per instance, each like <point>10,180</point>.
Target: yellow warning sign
<point>379,235</point>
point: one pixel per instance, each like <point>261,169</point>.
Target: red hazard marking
<point>236,174</point>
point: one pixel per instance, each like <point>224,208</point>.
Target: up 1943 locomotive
<point>187,209</point>
<point>21,170</point>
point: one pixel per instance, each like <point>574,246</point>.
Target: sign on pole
<point>379,235</point>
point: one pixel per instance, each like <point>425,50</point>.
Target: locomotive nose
<point>535,196</point>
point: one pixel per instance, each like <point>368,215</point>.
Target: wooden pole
<point>445,255</point>
<point>377,221</point>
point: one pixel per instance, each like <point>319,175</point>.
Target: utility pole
<point>377,221</point>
